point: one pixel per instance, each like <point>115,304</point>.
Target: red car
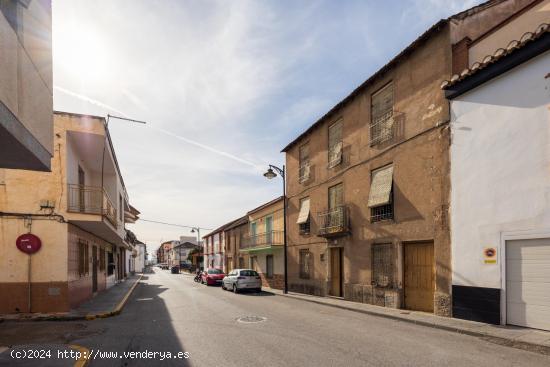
<point>212,277</point>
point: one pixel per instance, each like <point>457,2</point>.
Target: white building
<point>500,185</point>
<point>141,257</point>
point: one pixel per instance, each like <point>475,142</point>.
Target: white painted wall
<point>500,168</point>
<point>140,259</point>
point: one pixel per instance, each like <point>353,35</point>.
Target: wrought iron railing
<point>334,222</point>
<point>91,200</point>
<point>273,238</point>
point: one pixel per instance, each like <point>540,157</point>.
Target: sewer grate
<point>251,319</point>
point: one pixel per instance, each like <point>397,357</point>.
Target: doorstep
<point>517,337</point>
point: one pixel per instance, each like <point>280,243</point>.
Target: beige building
<point>78,210</point>
<point>368,183</point>
<point>264,243</point>
<point>235,234</point>
<point>26,92</point>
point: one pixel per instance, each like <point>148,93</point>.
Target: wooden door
<point>419,276</point>
<point>94,269</point>
<point>336,272</point>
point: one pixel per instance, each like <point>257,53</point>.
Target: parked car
<point>175,270</point>
<point>164,266</point>
<point>241,279</point>
<point>212,276</point>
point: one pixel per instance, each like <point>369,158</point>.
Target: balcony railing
<point>334,222</point>
<point>91,200</point>
<point>268,239</point>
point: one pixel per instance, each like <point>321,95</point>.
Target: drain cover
<point>251,319</point>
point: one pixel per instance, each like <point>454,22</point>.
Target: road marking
<point>84,355</point>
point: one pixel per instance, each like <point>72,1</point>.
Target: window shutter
<point>381,185</point>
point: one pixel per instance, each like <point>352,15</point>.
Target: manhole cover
<point>251,319</point>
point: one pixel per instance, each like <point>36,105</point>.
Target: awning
<point>380,188</point>
<point>304,212</point>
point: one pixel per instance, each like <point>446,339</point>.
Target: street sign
<point>28,243</point>
<point>490,255</point>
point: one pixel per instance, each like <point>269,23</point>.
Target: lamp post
<point>270,174</point>
<point>198,230</point>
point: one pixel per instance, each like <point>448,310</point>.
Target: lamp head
<point>270,174</point>
<point>192,230</point>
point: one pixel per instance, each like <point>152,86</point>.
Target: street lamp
<point>271,174</point>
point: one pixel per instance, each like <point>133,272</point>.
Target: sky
<point>223,87</point>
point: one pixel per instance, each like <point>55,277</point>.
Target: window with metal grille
<point>335,144</point>
<point>383,265</point>
<point>305,264</point>
<point>269,266</point>
<point>382,212</point>
<point>382,119</point>
<point>305,227</point>
<point>304,173</point>
<point>83,260</point>
<point>241,263</point>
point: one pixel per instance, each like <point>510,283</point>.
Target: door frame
<point>512,236</point>
<point>341,268</point>
<point>403,275</point>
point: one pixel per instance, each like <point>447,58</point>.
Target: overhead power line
<point>175,225</point>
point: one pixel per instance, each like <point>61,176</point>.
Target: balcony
<point>91,200</point>
<point>262,241</point>
<point>334,222</point>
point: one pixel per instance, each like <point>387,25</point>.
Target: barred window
<point>335,144</point>
<point>381,194</point>
<point>83,258</point>
<point>383,265</point>
<point>111,265</point>
<point>305,264</point>
<point>304,217</point>
<point>382,122</point>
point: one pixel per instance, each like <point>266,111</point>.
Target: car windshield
<point>249,273</point>
<point>214,271</point>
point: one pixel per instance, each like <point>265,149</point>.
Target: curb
<point>84,355</point>
<point>518,344</point>
<point>88,317</point>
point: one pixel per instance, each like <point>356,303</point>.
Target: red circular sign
<point>28,243</point>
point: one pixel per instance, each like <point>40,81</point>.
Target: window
<point>83,260</point>
<point>304,219</point>
<point>102,259</point>
<point>305,264</point>
<point>335,144</point>
<point>121,215</point>
<point>304,173</point>
<point>381,194</point>
<point>335,196</point>
<point>382,265</point>
<point>269,266</point>
<point>241,262</point>
<point>382,119</point>
<point>249,273</point>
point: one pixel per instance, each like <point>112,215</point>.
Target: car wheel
<point>235,289</point>
<point>259,290</point>
<point>223,286</point>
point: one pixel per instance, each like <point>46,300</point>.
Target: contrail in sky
<point>189,141</point>
<point>88,99</point>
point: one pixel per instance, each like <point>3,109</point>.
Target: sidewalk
<point>106,303</point>
<point>512,336</point>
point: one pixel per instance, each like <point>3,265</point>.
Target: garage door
<point>528,283</point>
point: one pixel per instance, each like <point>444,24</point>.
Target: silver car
<point>241,279</point>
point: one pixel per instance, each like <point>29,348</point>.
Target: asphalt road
<point>170,313</point>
